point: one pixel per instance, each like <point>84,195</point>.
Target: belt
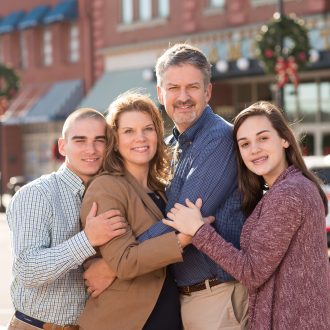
<point>43,325</point>
<point>187,290</point>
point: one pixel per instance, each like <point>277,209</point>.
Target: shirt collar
<point>189,134</point>
<point>72,180</point>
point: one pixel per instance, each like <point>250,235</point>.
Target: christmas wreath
<point>9,82</point>
<point>285,61</point>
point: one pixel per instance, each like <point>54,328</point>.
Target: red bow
<point>286,70</point>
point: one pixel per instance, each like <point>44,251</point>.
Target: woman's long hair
<point>251,184</point>
<point>159,169</point>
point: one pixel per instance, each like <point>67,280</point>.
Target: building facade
<point>63,49</point>
<point>135,32</point>
<point>49,44</point>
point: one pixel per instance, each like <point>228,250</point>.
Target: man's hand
<point>98,276</point>
<point>102,228</point>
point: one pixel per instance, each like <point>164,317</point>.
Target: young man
<point>49,247</point>
<point>205,167</point>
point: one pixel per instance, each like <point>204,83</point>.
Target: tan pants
<point>222,307</point>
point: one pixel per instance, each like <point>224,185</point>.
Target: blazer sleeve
<point>125,254</point>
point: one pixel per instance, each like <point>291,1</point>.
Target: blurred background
<point>56,56</point>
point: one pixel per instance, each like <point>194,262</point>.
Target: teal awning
<point>9,22</point>
<point>33,17</point>
<point>111,84</point>
<point>62,98</point>
<point>64,10</point>
<point>45,103</point>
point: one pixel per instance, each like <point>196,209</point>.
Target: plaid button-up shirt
<point>49,248</point>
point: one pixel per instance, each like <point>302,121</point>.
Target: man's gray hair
<point>181,54</point>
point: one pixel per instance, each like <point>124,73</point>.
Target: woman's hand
<point>98,276</point>
<point>185,219</point>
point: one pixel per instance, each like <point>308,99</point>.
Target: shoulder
<point>215,129</point>
<point>106,181</point>
<point>218,125</point>
<point>294,189</point>
<point>37,191</point>
<point>215,136</point>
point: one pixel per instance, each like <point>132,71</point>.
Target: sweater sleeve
<point>278,221</point>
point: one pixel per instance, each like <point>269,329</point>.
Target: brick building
<point>113,45</point>
<point>133,33</point>
<point>48,43</point>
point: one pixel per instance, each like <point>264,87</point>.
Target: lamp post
<point>280,92</point>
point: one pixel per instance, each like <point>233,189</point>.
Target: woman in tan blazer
<point>143,295</point>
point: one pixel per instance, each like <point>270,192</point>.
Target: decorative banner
<point>287,60</point>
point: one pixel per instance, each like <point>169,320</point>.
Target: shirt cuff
<point>202,235</point>
<point>80,247</point>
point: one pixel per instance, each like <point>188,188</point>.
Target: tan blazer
<point>129,300</point>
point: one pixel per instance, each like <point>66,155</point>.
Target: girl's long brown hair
<point>251,184</point>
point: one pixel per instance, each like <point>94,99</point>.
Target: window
<point>326,150</point>
<point>303,104</point>
<point>325,100</point>
<point>74,45</point>
<point>139,12</point>
<point>307,144</point>
<point>265,2</point>
<point>163,8</point>
<point>217,3</point>
<point>145,10</point>
<point>311,103</point>
<point>127,11</point>
<point>47,48</point>
<point>23,51</point>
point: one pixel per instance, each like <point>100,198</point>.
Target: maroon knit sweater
<point>283,258</point>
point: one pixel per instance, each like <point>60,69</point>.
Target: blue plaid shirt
<point>49,248</point>
<point>206,168</point>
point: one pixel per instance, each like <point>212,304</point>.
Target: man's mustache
<point>184,104</point>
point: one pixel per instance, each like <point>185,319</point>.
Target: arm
<point>279,220</point>
<point>212,178</point>
<point>98,276</point>
<point>124,254</point>
<point>33,228</point>
<point>36,262</point>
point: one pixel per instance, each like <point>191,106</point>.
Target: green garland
<point>9,82</point>
<point>295,42</point>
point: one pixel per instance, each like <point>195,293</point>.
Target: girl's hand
<point>185,219</point>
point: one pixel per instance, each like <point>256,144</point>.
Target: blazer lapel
<point>147,201</point>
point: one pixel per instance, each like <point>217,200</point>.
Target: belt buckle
<point>185,290</point>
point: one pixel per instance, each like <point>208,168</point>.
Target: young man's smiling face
<point>84,146</point>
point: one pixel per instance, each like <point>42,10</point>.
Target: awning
<point>33,17</point>
<point>64,10</point>
<point>111,84</point>
<point>57,102</point>
<point>9,22</point>
<point>62,98</point>
<point>26,98</point>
